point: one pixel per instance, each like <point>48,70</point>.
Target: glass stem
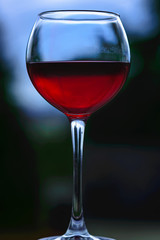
<point>77,224</point>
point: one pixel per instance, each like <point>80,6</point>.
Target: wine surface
<point>78,88</point>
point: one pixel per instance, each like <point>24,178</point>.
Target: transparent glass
<point>78,61</point>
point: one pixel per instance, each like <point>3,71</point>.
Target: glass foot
<point>90,237</point>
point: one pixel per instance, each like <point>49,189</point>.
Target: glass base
<point>89,237</point>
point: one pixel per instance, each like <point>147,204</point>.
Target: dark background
<point>121,159</point>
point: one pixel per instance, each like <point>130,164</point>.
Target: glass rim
<point>105,15</point>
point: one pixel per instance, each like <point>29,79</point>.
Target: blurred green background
<point>122,142</point>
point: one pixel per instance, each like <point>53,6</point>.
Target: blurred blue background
<point>122,142</point>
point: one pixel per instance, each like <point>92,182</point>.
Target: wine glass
<point>78,61</point>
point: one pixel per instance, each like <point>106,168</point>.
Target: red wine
<point>78,88</point>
